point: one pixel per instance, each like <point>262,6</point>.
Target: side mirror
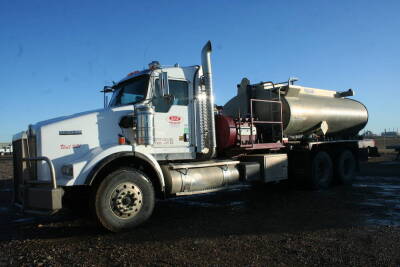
<point>106,89</point>
<point>164,85</point>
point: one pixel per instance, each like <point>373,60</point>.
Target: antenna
<point>144,56</point>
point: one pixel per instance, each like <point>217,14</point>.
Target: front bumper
<point>42,199</point>
<point>31,194</point>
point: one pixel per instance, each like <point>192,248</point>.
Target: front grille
<point>23,170</point>
<point>18,154</point>
<point>32,165</point>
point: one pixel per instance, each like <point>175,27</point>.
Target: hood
<point>63,118</point>
<point>68,139</point>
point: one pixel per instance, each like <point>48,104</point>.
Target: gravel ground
<point>357,225</point>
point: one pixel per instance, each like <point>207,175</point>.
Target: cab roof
<point>137,73</point>
<point>132,75</point>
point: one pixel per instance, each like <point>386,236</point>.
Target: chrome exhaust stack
<point>206,63</point>
<point>206,104</point>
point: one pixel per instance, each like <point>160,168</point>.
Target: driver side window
<point>178,89</point>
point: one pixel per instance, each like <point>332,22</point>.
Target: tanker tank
<point>304,110</point>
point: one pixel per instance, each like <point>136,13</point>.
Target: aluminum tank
<point>304,109</point>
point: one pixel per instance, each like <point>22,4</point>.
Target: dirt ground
<point>355,225</point>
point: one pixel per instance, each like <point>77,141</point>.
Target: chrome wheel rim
<point>126,200</point>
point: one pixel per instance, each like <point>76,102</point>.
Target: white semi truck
<point>161,135</point>
<point>6,150</point>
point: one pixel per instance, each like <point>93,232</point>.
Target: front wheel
<point>124,199</point>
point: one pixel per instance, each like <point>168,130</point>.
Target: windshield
<point>131,91</point>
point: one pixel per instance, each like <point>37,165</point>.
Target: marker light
<point>132,73</point>
<point>154,65</point>
<point>121,140</point>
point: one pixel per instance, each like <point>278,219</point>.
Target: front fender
<point>93,158</point>
<point>105,156</point>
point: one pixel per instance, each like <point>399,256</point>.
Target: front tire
<point>321,171</point>
<point>124,200</point>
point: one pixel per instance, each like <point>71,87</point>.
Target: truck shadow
<point>245,211</point>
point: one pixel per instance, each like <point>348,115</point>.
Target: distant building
<point>391,134</point>
<point>369,134</point>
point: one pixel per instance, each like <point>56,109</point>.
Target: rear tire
<point>321,171</point>
<point>345,167</point>
<point>124,200</point>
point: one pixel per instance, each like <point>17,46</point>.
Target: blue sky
<point>55,56</point>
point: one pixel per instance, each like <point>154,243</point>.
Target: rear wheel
<point>124,200</point>
<point>345,167</point>
<point>321,170</point>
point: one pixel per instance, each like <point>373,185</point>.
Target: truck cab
<point>154,116</point>
<point>170,136</point>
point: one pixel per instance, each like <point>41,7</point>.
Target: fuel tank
<point>304,109</point>
<point>199,176</point>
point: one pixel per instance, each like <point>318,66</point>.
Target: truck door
<point>171,118</point>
